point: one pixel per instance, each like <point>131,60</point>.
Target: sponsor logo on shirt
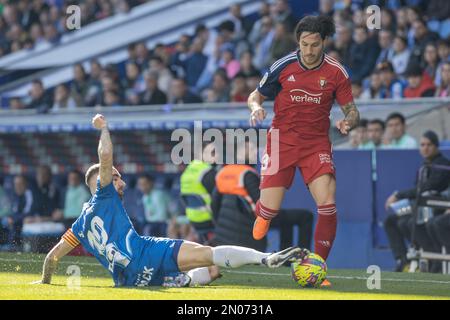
<point>299,95</point>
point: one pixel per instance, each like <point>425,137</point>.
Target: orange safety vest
<point>230,180</point>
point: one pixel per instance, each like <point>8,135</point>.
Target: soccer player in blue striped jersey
<point>105,230</point>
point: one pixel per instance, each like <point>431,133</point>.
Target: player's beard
<point>311,59</point>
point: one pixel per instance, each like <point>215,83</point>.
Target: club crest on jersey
<point>264,79</point>
<point>322,82</point>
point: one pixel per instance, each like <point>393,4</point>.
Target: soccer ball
<point>309,272</point>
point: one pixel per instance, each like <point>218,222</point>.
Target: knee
<point>204,256</point>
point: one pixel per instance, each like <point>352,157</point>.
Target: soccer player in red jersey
<point>304,85</point>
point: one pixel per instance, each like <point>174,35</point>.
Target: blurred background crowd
<point>408,57</point>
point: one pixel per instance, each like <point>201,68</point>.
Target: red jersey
<point>304,97</point>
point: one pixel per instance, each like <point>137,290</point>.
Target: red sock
<point>264,212</point>
<point>325,230</point>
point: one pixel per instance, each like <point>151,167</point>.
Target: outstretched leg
<point>193,255</point>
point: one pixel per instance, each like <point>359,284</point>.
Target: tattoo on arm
<point>105,155</point>
<point>351,114</point>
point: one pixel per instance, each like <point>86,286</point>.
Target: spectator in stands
<point>400,56</point>
<point>283,42</point>
<point>229,63</point>
<point>164,75</point>
<point>263,44</point>
<point>434,180</point>
<point>281,11</point>
<point>395,135</point>
<point>51,34</point>
<point>47,198</point>
<point>375,87</point>
<point>16,103</point>
<point>40,100</point>
<point>79,85</point>
<point>255,33</point>
<point>160,50</point>
<point>402,23</point>
<point>133,81</point>
<point>22,204</point>
<point>444,89</point>
<point>195,62</point>
<point>228,34</point>
<point>375,132</point>
<point>5,211</point>
<point>438,13</point>
<point>246,65</point>
<point>363,54</point>
<point>239,89</point>
<point>94,89</point>
<point>385,42</point>
<point>343,42</point>
<point>37,35</point>
<point>111,98</point>
<point>430,60</point>
<point>443,48</point>
<point>253,80</point>
<point>387,19</point>
<point>105,11</point>
<point>133,84</point>
<point>152,94</point>
<point>131,51</point>
<point>391,86</point>
<point>326,7</point>
<point>357,89</point>
<point>419,83</point>
<point>156,207</point>
<point>142,55</point>
<point>208,37</point>
<point>180,94</point>
<point>178,58</point>
<point>76,195</point>
<point>242,24</point>
<point>62,99</point>
<point>219,91</point>
<point>358,136</point>
<point>422,36</point>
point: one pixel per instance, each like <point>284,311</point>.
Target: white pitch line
<point>337,277</point>
<point>243,272</point>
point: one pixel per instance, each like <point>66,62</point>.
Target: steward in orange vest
<point>233,206</point>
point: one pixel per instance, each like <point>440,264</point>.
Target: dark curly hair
<point>323,25</point>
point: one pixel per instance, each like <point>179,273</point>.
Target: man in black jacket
<point>400,227</point>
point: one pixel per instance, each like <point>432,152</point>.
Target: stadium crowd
<point>33,24</point>
<point>407,58</point>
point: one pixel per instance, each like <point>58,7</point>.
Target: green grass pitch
<point>17,271</point>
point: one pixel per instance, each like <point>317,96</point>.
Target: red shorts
<point>280,171</point>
